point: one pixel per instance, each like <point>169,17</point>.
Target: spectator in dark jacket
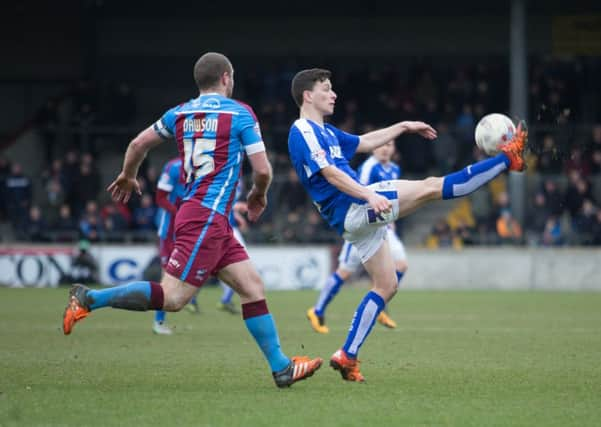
<point>37,227</point>
<point>144,215</point>
<point>17,193</point>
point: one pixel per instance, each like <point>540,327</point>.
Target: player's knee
<point>432,188</point>
<point>343,274</point>
<point>386,287</point>
<point>174,301</point>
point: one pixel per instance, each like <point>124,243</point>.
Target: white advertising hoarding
<point>34,266</point>
<point>292,267</point>
<point>282,267</point>
<point>307,267</point>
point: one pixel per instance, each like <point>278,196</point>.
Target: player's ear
<point>308,96</point>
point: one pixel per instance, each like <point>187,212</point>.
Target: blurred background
<point>81,78</point>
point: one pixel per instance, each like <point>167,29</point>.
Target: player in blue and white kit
<point>378,167</point>
<point>320,154</point>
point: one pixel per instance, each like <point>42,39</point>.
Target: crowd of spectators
<point>564,208</point>
<point>72,205</point>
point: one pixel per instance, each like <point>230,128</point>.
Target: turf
<point>457,359</point>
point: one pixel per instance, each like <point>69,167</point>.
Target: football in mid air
<point>493,131</point>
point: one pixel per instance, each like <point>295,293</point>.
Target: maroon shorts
<point>165,248</point>
<point>204,244</point>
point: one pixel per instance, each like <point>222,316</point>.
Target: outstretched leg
<point>170,295</point>
<point>413,194</point>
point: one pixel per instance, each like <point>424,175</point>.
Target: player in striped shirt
<point>212,133</point>
<point>378,167</point>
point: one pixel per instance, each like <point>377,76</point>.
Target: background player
<point>212,132</point>
<point>320,154</point>
<point>171,188</point>
<point>378,167</point>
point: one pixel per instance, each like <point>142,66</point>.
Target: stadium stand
<point>85,126</point>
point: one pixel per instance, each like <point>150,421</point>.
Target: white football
<point>493,131</point>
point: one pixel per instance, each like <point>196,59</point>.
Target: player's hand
<point>122,187</point>
<point>240,207</point>
<point>421,128</point>
<point>239,210</point>
<point>379,203</point>
<point>256,203</point>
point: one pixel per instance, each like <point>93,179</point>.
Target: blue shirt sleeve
<point>348,142</point>
<point>306,149</point>
<point>165,126</point>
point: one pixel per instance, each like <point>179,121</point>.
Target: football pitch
<point>456,359</point>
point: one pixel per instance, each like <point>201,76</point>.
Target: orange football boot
<point>348,368</point>
<point>384,319</point>
<point>300,368</point>
<point>76,310</point>
<point>514,149</point>
<point>317,322</point>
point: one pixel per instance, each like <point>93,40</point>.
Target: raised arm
<point>261,177</point>
<point>371,140</point>
<point>126,182</point>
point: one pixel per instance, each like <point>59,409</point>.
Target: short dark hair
<point>305,80</point>
<point>209,68</point>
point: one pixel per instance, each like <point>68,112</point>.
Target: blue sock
<point>137,296</point>
<point>362,322</point>
<point>159,316</point>
<point>227,295</point>
<point>193,300</point>
<point>474,176</point>
<point>328,293</point>
<point>261,326</point>
<point>399,277</point>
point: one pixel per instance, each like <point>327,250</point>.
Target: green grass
<point>457,359</point>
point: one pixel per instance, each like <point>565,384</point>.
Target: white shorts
<point>366,230</point>
<point>350,260</point>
